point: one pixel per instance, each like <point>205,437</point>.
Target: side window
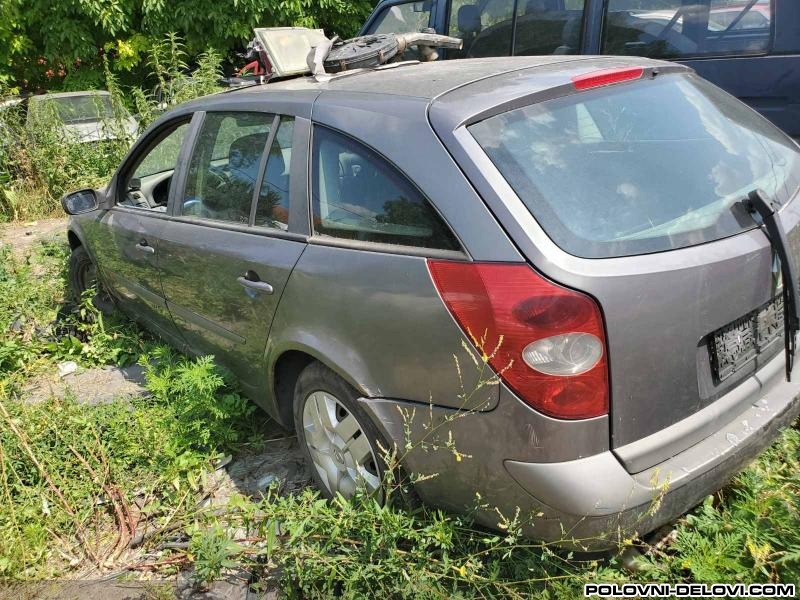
<point>147,183</point>
<point>357,195</point>
<point>739,27</point>
<point>548,27</point>
<point>410,17</point>
<point>224,167</point>
<point>485,26</point>
<point>675,29</point>
<point>273,199</point>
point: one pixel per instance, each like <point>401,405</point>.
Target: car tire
<point>338,440</point>
<point>82,276</point>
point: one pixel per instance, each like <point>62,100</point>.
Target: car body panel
<point>130,273</point>
<point>200,265</point>
<point>652,304</point>
<point>342,305</point>
<point>590,502</point>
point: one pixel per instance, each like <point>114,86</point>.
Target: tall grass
<point>39,162</point>
<point>122,487</point>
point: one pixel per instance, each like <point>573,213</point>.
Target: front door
<point>228,252</point>
<point>128,236</point>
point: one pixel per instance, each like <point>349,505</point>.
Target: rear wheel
<point>337,438</point>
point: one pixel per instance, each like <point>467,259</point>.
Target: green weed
<point>81,485</point>
<point>39,162</point>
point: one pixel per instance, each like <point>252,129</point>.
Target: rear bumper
<point>590,502</point>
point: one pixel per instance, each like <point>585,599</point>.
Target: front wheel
<point>336,437</point>
<point>83,277</point>
<point>82,273</point>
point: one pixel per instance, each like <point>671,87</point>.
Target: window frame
<point>144,146</point>
<point>299,229</point>
<point>174,210</point>
<point>384,248</point>
<point>768,50</point>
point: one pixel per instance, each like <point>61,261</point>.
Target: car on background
<point>584,224</point>
<point>750,48</point>
<point>84,116</point>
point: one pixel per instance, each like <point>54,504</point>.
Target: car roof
<point>469,84</point>
<point>421,80</point>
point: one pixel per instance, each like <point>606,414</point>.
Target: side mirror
<point>80,202</point>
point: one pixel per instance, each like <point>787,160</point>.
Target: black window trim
<point>323,240</point>
<point>262,169</point>
<point>768,51</point>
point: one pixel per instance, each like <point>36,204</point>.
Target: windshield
<point>79,109</point>
<point>638,168</point>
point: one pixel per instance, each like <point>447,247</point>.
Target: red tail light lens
<point>603,77</point>
<point>505,308</point>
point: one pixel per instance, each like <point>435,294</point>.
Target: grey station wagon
<point>614,237</point>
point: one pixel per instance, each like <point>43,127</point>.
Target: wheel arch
<point>74,239</point>
<point>290,360</point>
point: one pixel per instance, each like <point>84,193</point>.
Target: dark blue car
<point>751,48</point>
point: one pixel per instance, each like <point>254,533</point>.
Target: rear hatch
<point>633,188</point>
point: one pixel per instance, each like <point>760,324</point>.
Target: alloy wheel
<point>339,447</point>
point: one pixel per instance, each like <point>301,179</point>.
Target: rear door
<point>233,240</point>
<point>632,193</point>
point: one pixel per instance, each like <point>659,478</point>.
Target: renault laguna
<point>565,283</point>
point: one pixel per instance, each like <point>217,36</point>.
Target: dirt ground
<point>22,236</point>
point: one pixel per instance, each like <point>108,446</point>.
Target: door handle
<point>260,286</point>
<point>143,246</point>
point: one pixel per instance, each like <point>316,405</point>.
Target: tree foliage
<point>46,44</point>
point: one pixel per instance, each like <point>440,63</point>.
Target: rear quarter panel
<point>378,321</point>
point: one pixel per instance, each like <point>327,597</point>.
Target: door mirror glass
<point>80,202</point>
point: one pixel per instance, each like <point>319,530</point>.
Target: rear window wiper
<point>758,202</point>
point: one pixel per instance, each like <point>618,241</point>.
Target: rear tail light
<point>604,77</point>
<point>546,342</point>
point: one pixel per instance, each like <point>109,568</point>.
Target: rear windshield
<point>637,168</point>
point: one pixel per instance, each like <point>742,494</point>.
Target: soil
<point>22,236</point>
